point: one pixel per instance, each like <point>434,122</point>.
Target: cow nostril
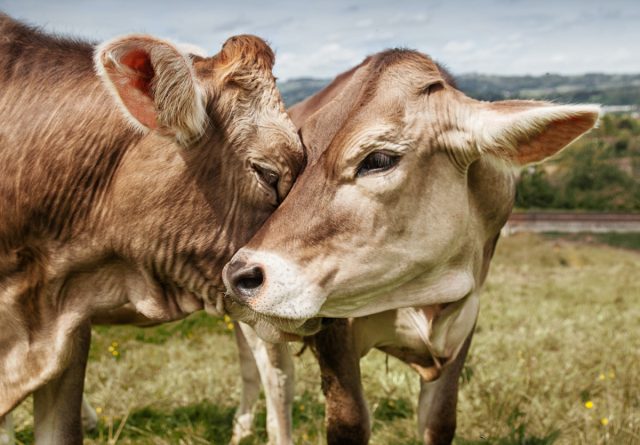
<point>247,281</point>
<point>250,279</point>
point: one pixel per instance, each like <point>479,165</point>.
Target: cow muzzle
<point>272,286</point>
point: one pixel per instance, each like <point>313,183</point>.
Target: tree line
<point>600,172</point>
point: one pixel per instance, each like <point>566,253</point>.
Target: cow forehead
<point>384,95</point>
<point>399,73</point>
<point>245,96</point>
<point>389,124</point>
<point>281,146</point>
<point>279,138</point>
<point>399,69</point>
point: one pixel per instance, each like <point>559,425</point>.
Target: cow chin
<point>272,329</point>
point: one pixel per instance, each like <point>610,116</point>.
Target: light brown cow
<point>394,220</point>
<point>131,186</point>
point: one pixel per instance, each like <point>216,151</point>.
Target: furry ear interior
<point>525,132</point>
<point>154,84</point>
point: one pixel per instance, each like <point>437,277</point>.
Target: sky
<point>324,38</point>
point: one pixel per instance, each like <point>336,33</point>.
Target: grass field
<point>555,359</point>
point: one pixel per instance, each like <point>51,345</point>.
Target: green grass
<point>623,240</point>
<point>559,327</point>
<point>204,421</point>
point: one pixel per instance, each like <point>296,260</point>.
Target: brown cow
<point>394,220</point>
<point>139,200</point>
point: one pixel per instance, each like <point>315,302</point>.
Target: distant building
<point>572,222</point>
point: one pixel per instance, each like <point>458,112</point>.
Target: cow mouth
<point>285,329</point>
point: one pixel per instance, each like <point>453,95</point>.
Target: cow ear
<point>525,132</point>
<point>154,84</point>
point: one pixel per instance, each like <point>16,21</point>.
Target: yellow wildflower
<point>612,375</point>
<point>230,326</point>
<point>588,404</point>
<point>114,344</point>
<point>601,376</point>
<point>98,410</point>
<point>115,353</point>
<point>604,421</point>
<point>111,349</point>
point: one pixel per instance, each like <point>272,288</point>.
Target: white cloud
<point>378,36</point>
<point>457,46</point>
<point>326,61</point>
<point>404,18</point>
<point>622,54</point>
<point>364,23</point>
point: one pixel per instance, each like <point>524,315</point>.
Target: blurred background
<point>556,356</point>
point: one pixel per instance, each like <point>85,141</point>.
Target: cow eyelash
<point>376,162</point>
<point>267,177</point>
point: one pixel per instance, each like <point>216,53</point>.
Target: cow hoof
<point>242,428</point>
<point>439,436</point>
<point>351,435</point>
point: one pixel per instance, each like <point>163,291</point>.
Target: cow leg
<point>275,367</point>
<point>277,375</point>
<point>438,400</point>
<point>57,405</point>
<point>243,420</point>
<point>346,416</point>
<point>6,431</point>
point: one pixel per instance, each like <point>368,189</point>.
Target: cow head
<point>406,184</point>
<point>218,154</point>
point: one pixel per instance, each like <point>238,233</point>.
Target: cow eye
<point>268,177</point>
<point>375,162</point>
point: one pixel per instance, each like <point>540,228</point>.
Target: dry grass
<point>559,327</point>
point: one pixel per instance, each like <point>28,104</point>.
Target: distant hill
<point>296,90</point>
<point>606,89</point>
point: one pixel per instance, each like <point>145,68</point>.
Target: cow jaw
<point>428,289</point>
<point>291,294</point>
